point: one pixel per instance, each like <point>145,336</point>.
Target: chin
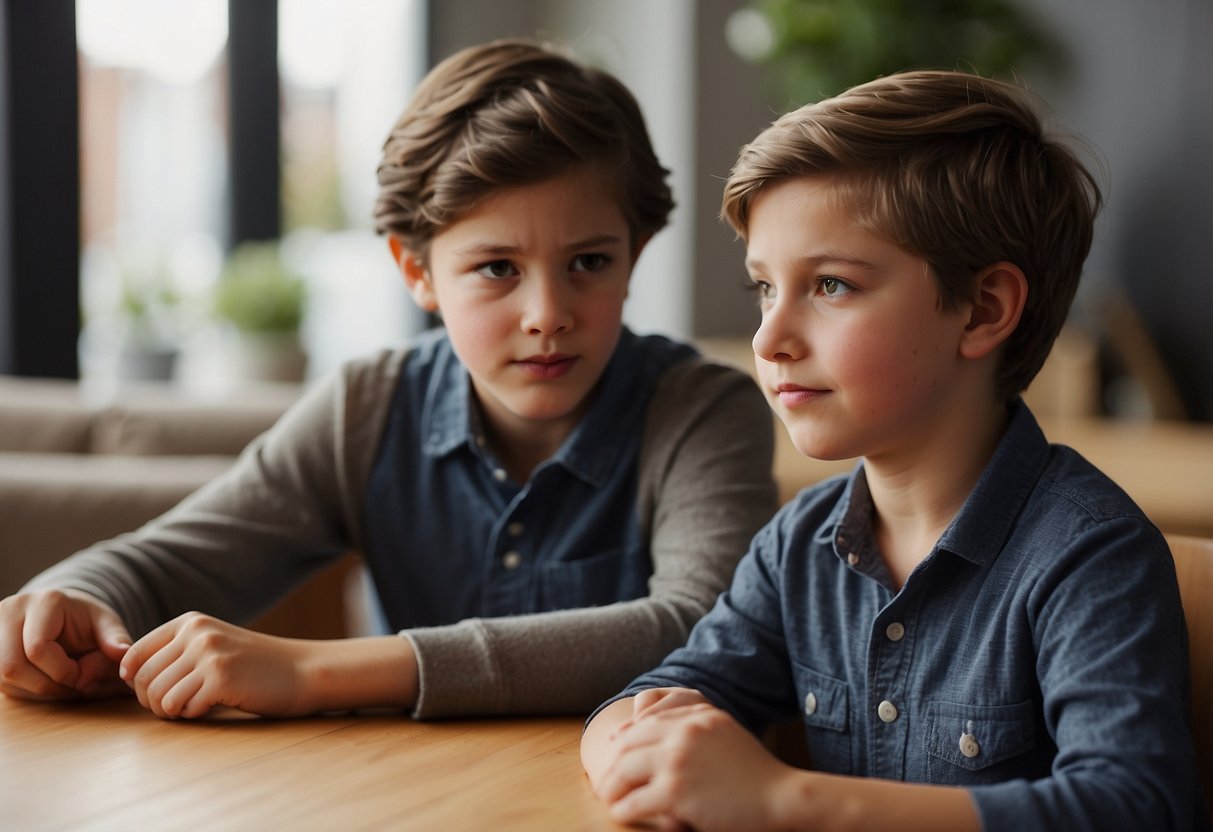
<point>818,447</point>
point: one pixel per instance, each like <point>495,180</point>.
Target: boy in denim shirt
<point>978,629</point>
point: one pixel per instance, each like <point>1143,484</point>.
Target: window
<point>156,191</point>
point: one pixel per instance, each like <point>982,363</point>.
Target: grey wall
<point>1141,92</point>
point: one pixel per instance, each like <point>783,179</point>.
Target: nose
<point>547,309</point>
<point>778,337</point>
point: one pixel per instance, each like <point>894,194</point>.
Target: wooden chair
<point>1194,568</point>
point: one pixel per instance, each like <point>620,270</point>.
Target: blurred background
<point>186,186</point>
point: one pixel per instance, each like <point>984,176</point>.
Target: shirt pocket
<point>825,707</point>
<point>620,574</point>
<point>968,744</point>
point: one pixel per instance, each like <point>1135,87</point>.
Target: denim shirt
<point>451,537</point>
<point>1037,655</point>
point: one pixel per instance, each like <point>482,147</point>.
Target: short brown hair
<point>955,168</point>
<point>510,113</point>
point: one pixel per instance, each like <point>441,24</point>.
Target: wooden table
<point>112,765</point>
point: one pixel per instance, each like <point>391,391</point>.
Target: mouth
<point>794,395</point>
<point>550,366</point>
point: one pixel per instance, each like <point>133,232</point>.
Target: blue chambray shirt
<point>1037,655</point>
<point>450,537</point>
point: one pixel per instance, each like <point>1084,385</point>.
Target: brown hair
<point>512,113</point>
<point>955,168</point>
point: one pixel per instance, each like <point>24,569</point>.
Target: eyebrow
<point>596,241</point>
<point>823,258</point>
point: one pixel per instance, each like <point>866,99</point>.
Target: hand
<point>691,764</point>
<point>655,700</point>
<point>187,666</point>
<point>60,644</point>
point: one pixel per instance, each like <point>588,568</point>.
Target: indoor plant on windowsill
<point>148,329</point>
<point>263,302</point>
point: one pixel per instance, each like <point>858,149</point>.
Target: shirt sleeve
<point>231,549</point>
<point>705,489</point>
<point>737,655</point>
<point>1113,688</point>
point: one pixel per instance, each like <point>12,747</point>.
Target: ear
<point>1002,291</point>
<point>416,277</point>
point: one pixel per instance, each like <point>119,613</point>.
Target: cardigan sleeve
<point>705,488</point>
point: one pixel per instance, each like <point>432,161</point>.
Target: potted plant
<point>263,302</point>
<point>818,48</point>
<point>147,339</point>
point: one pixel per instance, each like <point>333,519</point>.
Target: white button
<point>969,745</point>
<point>852,558</point>
<point>499,474</point>
<point>515,528</point>
<point>810,703</point>
<point>887,711</point>
<point>895,631</point>
<point>511,560</point>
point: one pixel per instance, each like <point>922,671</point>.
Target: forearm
<point>346,674</point>
<point>834,803</point>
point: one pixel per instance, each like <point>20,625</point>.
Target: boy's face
<point>530,284</point>
<point>853,352</point>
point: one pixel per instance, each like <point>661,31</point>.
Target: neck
<point>917,493</point>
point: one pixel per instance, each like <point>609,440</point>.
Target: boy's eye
<point>832,287</point>
<point>497,269</point>
<point>592,262</point>
<point>761,288</point>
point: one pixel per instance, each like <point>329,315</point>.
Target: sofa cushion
<point>52,505</point>
<point>175,428</point>
<point>44,415</point>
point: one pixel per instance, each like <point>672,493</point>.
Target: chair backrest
<point>1194,568</point>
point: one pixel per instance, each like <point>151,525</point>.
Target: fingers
<point>154,665</point>
<point>656,700</point>
<point>49,672</point>
<point>182,668</point>
<point>45,622</point>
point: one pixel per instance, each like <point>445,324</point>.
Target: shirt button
<point>895,631</point>
<point>499,474</point>
<point>887,711</point>
<point>810,703</point>
<point>512,560</point>
<point>480,443</point>
<point>515,528</point>
<point>969,745</point>
<point>852,558</point>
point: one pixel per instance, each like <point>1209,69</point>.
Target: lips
<point>549,366</point>
<point>793,395</point>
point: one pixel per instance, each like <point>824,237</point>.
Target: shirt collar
<point>613,421</point>
<point>985,521</point>
<point>452,419</point>
<point>447,420</point>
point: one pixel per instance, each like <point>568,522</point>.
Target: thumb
<point>112,636</point>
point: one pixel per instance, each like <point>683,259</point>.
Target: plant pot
<point>147,363</point>
<point>267,356</point>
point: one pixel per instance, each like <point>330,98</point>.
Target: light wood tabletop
<point>111,765</point>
